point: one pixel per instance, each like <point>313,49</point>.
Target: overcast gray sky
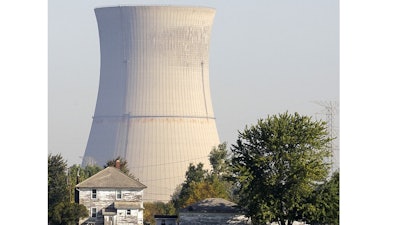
<point>266,57</point>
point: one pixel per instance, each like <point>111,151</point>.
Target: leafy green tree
<point>89,171</point>
<point>68,213</point>
<point>201,184</point>
<point>123,165</point>
<point>56,182</point>
<point>277,163</point>
<point>61,211</point>
<point>193,174</point>
<point>219,178</point>
<point>157,208</point>
<point>219,159</point>
<point>77,174</point>
<point>324,203</point>
<point>209,188</point>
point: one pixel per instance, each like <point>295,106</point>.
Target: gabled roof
<point>111,177</point>
<point>212,205</point>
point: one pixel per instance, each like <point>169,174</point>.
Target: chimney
<point>118,164</point>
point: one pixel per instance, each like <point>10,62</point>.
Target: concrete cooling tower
<point>154,103</point>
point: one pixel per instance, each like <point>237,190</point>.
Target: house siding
<point>124,219</point>
<point>105,199</point>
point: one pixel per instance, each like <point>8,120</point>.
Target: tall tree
<point>56,182</point>
<point>77,174</point>
<point>219,178</point>
<point>219,159</point>
<point>61,209</point>
<point>201,184</point>
<point>194,174</point>
<point>324,203</point>
<point>277,164</point>
<point>89,171</point>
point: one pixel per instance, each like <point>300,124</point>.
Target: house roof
<point>212,205</point>
<point>165,216</point>
<point>127,205</point>
<point>111,177</point>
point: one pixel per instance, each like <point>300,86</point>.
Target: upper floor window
<point>128,212</point>
<point>93,212</point>
<point>94,193</point>
<point>119,194</point>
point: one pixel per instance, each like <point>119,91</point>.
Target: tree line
<point>277,171</point>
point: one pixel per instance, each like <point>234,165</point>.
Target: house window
<point>93,212</point>
<point>94,193</point>
<point>128,212</point>
<point>119,194</point>
<point>162,222</point>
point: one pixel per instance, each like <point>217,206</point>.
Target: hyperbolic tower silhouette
<point>154,103</point>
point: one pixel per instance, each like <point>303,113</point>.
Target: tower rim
<point>157,6</point>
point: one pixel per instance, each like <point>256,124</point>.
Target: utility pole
<point>69,185</point>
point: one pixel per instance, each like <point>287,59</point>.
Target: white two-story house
<point>112,198</point>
